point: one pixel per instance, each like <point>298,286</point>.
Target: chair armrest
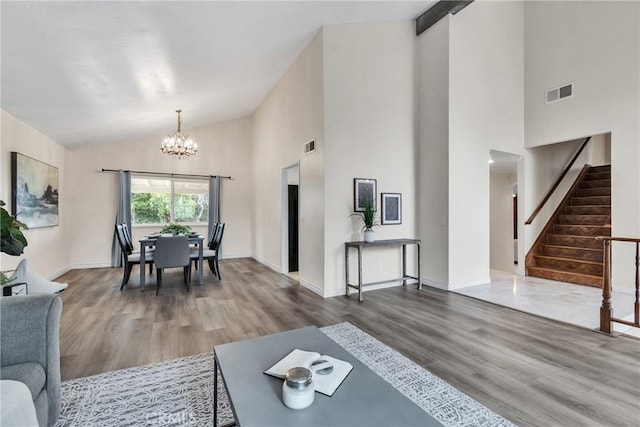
<point>31,333</point>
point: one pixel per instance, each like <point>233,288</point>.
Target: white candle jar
<point>298,390</point>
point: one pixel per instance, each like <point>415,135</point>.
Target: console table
<point>360,245</point>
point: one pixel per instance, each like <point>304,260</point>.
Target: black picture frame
<point>364,190</point>
<point>391,205</point>
<point>34,191</point>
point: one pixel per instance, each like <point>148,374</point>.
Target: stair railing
<point>606,311</point>
<point>558,181</point>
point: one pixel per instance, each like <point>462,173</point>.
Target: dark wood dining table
<point>148,241</point>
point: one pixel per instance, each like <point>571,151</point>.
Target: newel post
<point>606,312</point>
<point>636,306</point>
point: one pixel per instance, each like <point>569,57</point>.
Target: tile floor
<point>575,304</point>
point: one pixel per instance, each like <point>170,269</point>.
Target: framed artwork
<point>34,191</point>
<point>391,208</point>
<point>364,191</point>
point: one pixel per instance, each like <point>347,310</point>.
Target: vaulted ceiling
<point>99,72</point>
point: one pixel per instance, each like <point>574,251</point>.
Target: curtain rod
<point>167,174</point>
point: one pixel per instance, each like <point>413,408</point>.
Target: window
<point>158,201</point>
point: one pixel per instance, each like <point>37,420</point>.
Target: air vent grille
<point>558,93</point>
<point>310,147</point>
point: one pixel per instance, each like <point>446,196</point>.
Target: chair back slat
<point>212,235</point>
<point>122,241</point>
<point>127,236</point>
<point>217,240</point>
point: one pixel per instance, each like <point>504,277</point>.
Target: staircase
<point>566,249</point>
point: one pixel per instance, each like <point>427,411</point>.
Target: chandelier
<point>179,144</point>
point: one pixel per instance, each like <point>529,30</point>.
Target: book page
<point>327,384</point>
<point>297,358</point>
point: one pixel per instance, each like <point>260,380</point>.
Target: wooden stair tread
<point>565,276</point>
<point>549,245</point>
<point>564,259</point>
<point>564,271</point>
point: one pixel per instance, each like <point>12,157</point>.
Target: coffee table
<point>363,399</point>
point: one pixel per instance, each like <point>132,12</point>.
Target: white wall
<point>290,116</point>
<point>48,249</point>
<point>486,111</point>
<point>595,45</point>
<point>501,221</point>
<point>225,149</point>
<point>433,151</point>
<point>370,132</point>
<point>600,150</point>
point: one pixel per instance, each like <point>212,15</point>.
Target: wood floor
<point>531,370</point>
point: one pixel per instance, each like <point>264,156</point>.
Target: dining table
<point>151,240</point>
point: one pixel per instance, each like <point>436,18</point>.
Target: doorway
<point>503,217</point>
<point>293,228</point>
<point>290,220</point>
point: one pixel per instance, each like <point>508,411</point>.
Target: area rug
<point>179,392</point>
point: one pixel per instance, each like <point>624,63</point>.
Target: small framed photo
<point>14,289</point>
<point>364,191</point>
<point>391,208</point>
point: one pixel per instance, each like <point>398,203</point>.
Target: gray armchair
<point>30,349</point>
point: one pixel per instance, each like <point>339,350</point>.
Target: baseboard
<point>234,256</point>
<point>434,284</point>
<point>453,286</point>
<point>334,293</point>
<point>312,287</point>
<point>90,265</point>
<point>68,268</point>
<point>59,273</point>
<point>342,291</point>
<point>274,267</point>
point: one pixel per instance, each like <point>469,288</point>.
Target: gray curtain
<point>214,202</point>
<point>123,214</point>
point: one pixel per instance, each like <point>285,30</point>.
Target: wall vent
<point>558,93</point>
<point>310,147</point>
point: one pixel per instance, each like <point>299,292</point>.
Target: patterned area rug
<point>179,392</point>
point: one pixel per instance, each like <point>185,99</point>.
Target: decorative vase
<point>369,235</point>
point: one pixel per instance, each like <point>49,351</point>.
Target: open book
<point>336,370</point>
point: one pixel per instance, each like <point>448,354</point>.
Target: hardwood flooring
<point>531,370</point>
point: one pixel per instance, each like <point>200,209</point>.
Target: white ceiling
<point>98,72</point>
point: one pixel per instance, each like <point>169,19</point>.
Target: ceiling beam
<point>437,12</point>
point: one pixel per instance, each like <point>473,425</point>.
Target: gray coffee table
<point>363,399</point>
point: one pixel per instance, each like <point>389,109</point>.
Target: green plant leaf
<point>368,216</point>
<point>12,241</point>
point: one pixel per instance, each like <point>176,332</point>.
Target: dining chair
<point>211,254</point>
<point>210,238</point>
<point>172,252</point>
<point>127,235</point>
<point>130,259</point>
<point>214,229</point>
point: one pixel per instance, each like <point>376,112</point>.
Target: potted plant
<point>12,241</point>
<point>176,229</point>
<point>369,221</point>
